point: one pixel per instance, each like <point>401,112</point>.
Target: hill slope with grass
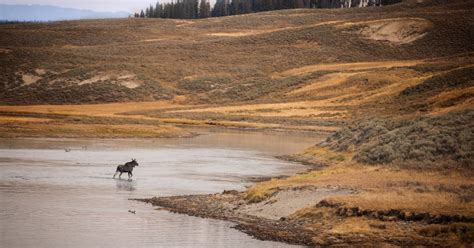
<point>397,73</point>
<point>256,57</point>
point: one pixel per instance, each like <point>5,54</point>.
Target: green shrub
<point>454,78</point>
<point>203,83</point>
<point>447,139</point>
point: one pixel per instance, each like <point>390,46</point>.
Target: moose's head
<point>134,162</point>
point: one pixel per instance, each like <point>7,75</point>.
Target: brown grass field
<point>392,87</point>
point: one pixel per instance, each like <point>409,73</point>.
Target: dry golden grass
<point>440,100</point>
<point>249,125</point>
<point>122,110</point>
<point>15,125</point>
<point>107,109</point>
<point>266,30</point>
<point>346,66</point>
<point>286,109</point>
<point>365,226</point>
<point>67,130</point>
<point>329,80</point>
<point>320,155</point>
<point>407,199</point>
<point>234,34</point>
<point>380,188</point>
<point>4,120</point>
<point>383,233</point>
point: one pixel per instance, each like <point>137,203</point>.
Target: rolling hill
<point>264,57</point>
<point>302,69</point>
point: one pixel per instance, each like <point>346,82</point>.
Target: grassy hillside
<point>240,58</point>
<point>306,69</point>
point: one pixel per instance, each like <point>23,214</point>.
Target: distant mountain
<point>51,13</point>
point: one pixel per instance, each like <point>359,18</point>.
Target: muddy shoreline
<point>222,206</point>
<point>311,231</point>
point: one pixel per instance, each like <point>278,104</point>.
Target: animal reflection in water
<point>127,167</point>
<point>126,185</point>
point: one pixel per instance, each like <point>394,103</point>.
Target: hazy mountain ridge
<point>51,13</point>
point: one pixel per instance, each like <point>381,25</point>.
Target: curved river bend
<point>53,198</point>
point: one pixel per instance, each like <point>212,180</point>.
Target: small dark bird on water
<point>130,211</point>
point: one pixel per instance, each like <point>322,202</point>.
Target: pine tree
<point>195,9</point>
<point>277,4</point>
<point>298,4</point>
<point>267,5</point>
<point>204,9</point>
<point>221,8</point>
<point>142,15</point>
<point>152,12</point>
<point>246,7</point>
<point>157,10</point>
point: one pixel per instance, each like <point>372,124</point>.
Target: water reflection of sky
<point>53,198</point>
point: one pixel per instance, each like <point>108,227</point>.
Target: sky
<point>97,5</point>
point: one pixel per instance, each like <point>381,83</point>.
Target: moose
<point>127,167</point>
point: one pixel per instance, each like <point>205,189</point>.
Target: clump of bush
<point>252,88</point>
<point>204,83</point>
<point>455,78</point>
<point>425,142</point>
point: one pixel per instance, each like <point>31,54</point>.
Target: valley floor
<point>411,200</point>
<point>341,200</point>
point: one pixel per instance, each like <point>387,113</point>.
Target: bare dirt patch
<point>5,50</point>
<point>29,79</point>
<point>95,79</point>
<point>285,202</point>
<point>397,31</point>
<point>152,40</point>
<point>123,78</point>
<point>96,110</point>
<point>234,34</point>
<point>40,71</point>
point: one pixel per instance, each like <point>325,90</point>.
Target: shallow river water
<point>53,198</point>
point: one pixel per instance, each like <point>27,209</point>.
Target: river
<point>53,198</point>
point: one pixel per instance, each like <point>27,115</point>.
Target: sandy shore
<point>325,213</point>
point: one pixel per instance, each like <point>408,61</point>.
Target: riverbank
<point>346,204</point>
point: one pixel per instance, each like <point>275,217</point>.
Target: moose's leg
<point>120,176</point>
<point>117,170</point>
<point>130,175</point>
